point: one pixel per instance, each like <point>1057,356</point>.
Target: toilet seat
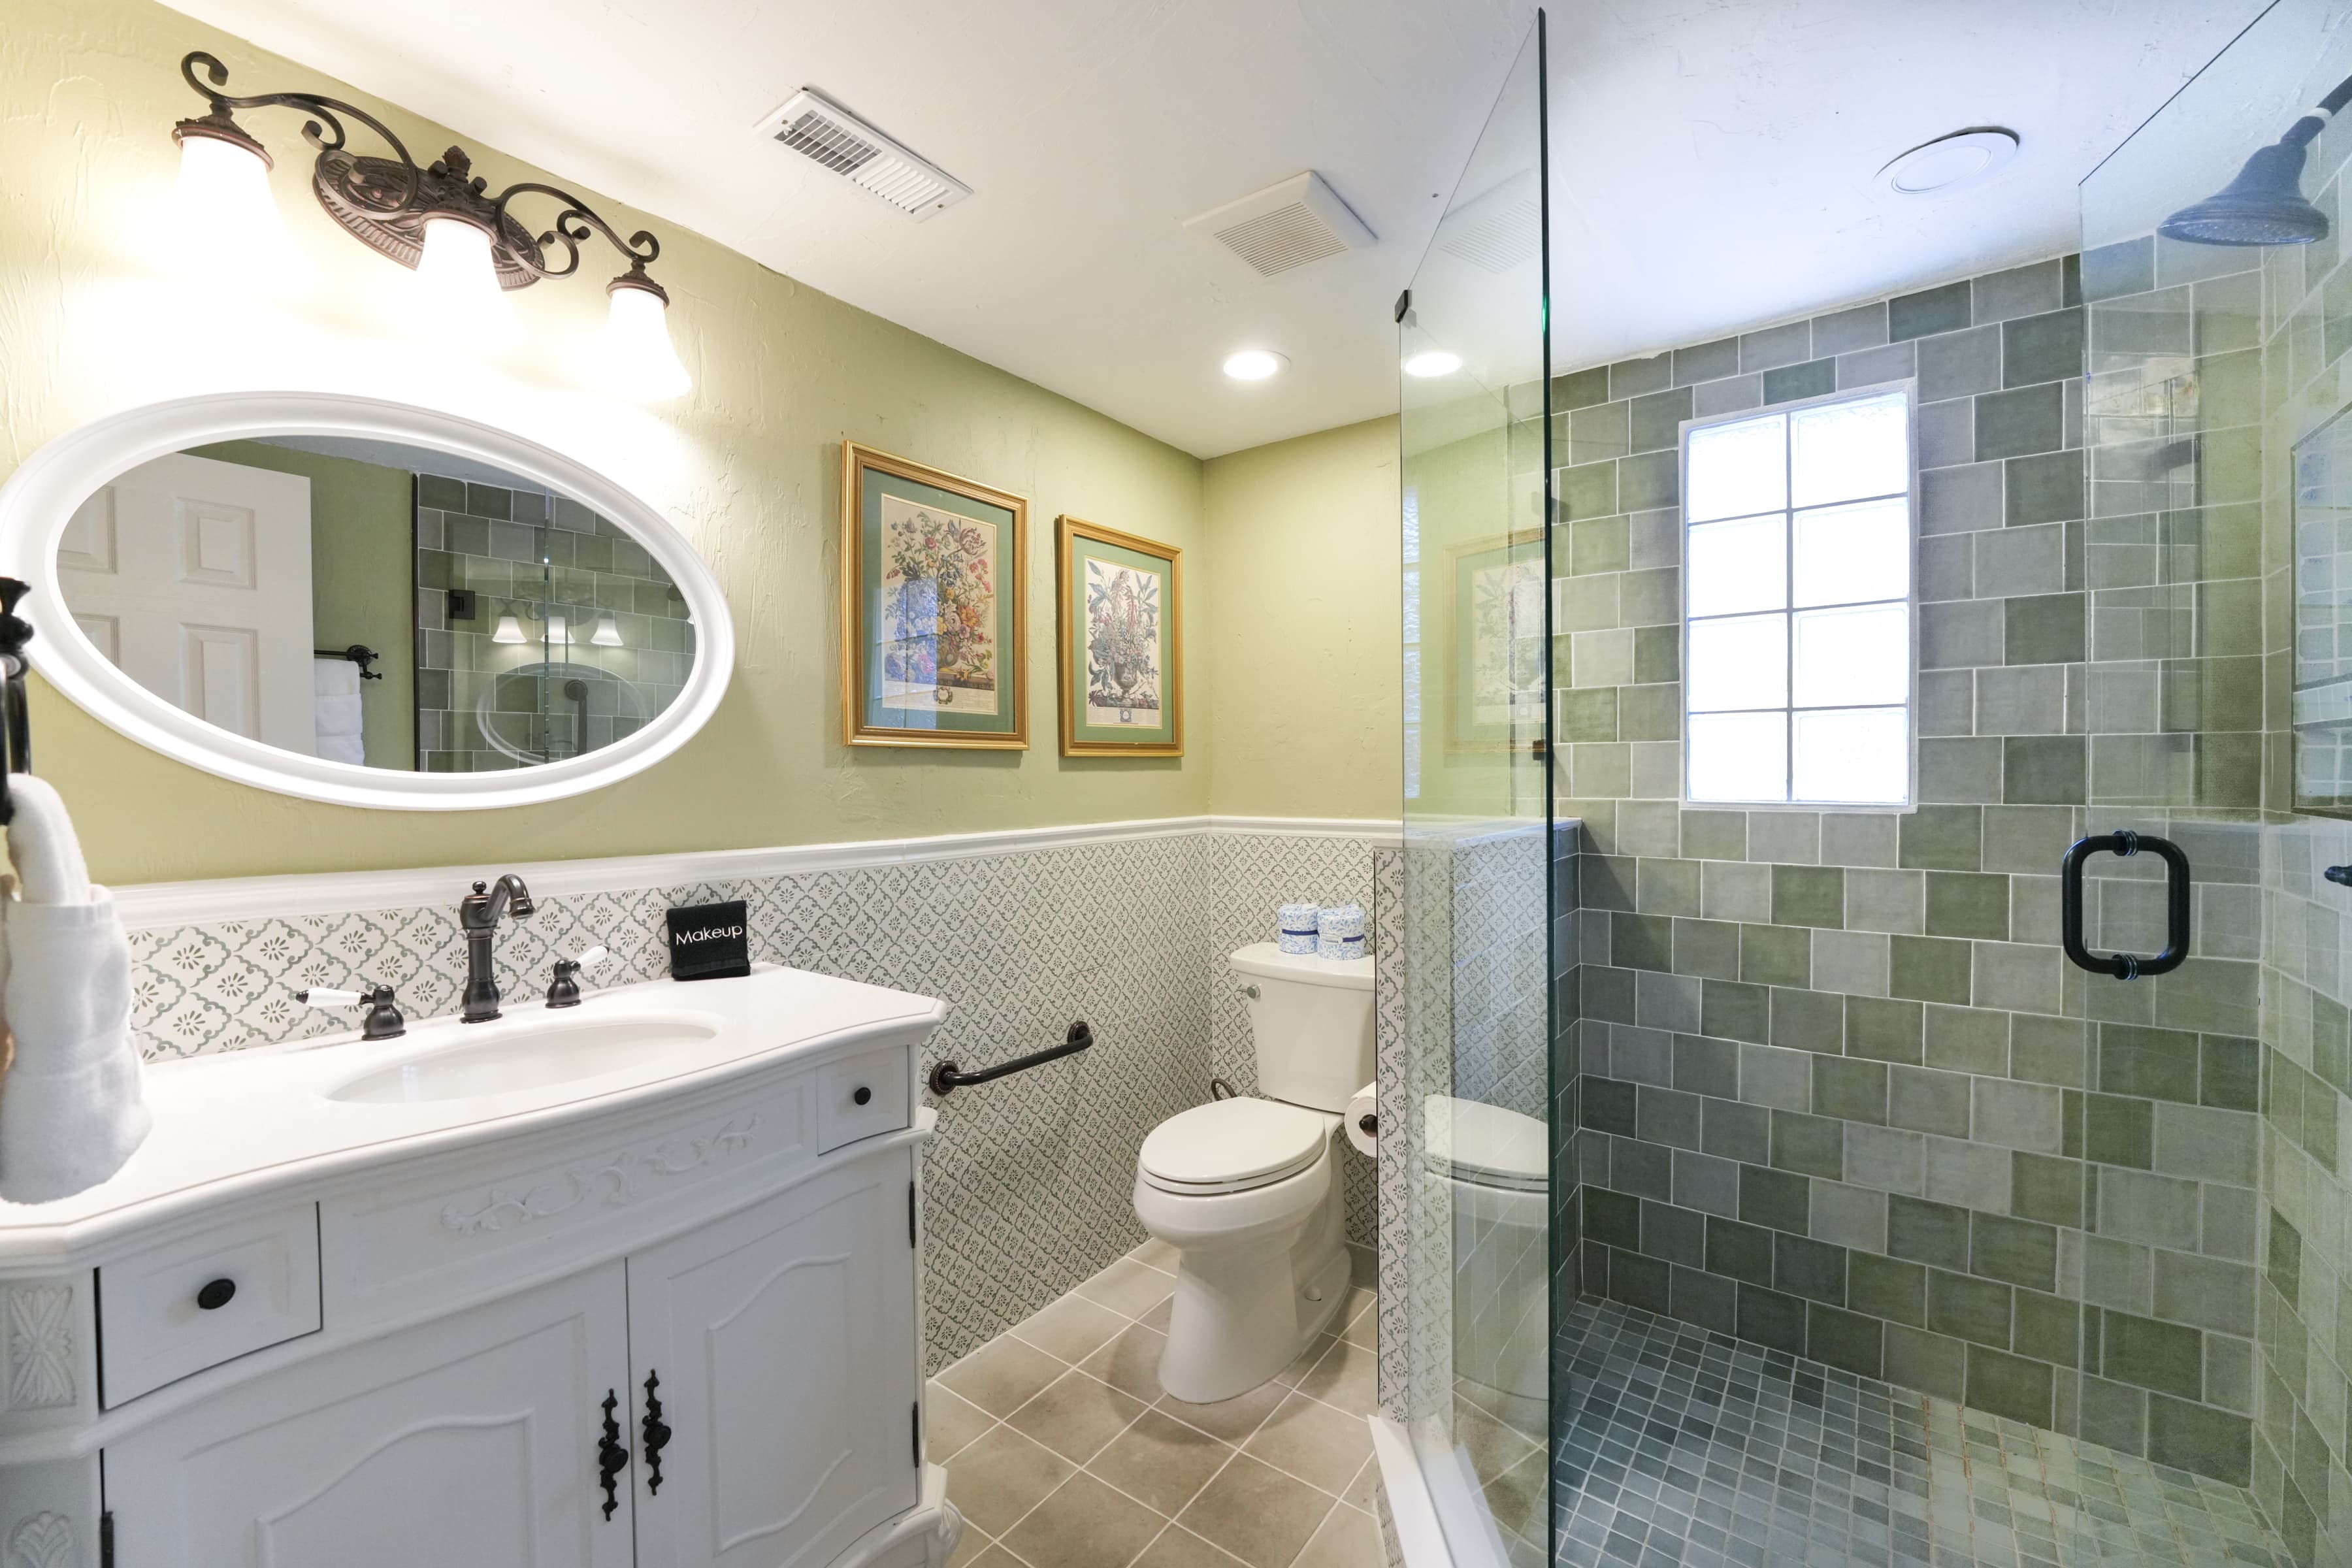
<point>1486,1145</point>
<point>1234,1145</point>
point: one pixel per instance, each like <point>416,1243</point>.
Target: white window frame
<point>1908,387</point>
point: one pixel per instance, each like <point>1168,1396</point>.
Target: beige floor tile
<point>1290,1375</point>
<point>1128,1287</point>
<point>1157,1254</point>
<point>1348,1538</point>
<point>972,1546</point>
<point>1323,1446</point>
<point>1364,1491</point>
<point>1157,1317</point>
<point>1072,1328</point>
<point>1518,1497</point>
<point>1492,1446</point>
<point>1364,1333</point>
<point>1130,1363</point>
<point>1343,1377</point>
<point>1161,1461</point>
<point>1001,1476</point>
<point>1003,1375</point>
<point>1257,1513</point>
<point>1361,1304</point>
<point>1085,1524</point>
<point>997,1557</point>
<point>1076,1415</point>
<point>1232,1419</point>
<point>1180,1548</point>
<point>950,1421</point>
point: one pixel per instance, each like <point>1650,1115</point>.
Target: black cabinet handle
<point>2176,902</point>
<point>217,1294</point>
<point>610,1455</point>
<point>656,1435</point>
<point>862,1097</point>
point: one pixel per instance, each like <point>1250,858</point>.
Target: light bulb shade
<point>558,632</point>
<point>458,288</point>
<point>2264,205</point>
<point>607,633</point>
<point>638,358</point>
<point>510,629</point>
<point>229,230</point>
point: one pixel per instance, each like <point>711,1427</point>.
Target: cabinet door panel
<point>784,1340</point>
<point>472,1440</point>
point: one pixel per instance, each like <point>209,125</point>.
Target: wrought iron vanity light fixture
<point>438,219</point>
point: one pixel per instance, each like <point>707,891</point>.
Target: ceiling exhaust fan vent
<point>830,137</point>
<point>1498,229</point>
<point>1285,227</point>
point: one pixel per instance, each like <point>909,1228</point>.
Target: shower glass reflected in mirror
<point>376,602</point>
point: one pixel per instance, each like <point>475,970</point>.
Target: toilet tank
<point>1312,1023</point>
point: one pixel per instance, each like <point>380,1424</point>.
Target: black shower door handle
<point>2124,966</point>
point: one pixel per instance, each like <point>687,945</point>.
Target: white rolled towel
<point>73,1103</point>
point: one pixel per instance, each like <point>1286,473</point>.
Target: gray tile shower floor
<point>1062,1452</point>
<point>1680,1446</point>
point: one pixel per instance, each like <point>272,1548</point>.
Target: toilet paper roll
<point>1339,933</point>
<point>1295,929</point>
<point>1362,1120</point>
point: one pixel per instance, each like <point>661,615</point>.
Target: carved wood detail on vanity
<point>615,1180</point>
<point>43,1540</point>
<point>36,1323</point>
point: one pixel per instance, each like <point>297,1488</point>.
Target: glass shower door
<point>1479,1018</point>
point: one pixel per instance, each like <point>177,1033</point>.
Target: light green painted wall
<point>95,320</point>
<point>1303,715</point>
<point>363,578</point>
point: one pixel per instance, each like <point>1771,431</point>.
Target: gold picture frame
<point>1496,662</point>
<point>934,593</point>
<point>1119,640</point>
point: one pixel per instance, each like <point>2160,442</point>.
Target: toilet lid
<point>1495,1147</point>
<point>1233,1143</point>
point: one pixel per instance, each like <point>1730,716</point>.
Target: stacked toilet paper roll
<point>1339,933</point>
<point>1295,929</point>
<point>1362,1120</point>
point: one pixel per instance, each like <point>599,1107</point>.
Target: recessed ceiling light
<point>1254,364</point>
<point>1948,162</point>
<point>1432,361</point>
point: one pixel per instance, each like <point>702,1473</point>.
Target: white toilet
<point>1495,1164</point>
<point>1247,1190</point>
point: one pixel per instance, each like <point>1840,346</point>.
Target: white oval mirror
<point>362,601</point>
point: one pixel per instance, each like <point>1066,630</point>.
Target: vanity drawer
<point>842,1115</point>
<point>202,1299</point>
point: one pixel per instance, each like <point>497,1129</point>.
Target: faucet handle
<point>384,1020</point>
<point>563,991</point>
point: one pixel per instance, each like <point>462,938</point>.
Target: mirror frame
<point>40,498</point>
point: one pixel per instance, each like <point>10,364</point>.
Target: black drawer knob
<point>863,1096</point>
<point>215,1294</point>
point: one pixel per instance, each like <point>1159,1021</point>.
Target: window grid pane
<point>1798,691</point>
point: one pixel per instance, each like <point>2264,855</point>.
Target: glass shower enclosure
<point>1479,1019</point>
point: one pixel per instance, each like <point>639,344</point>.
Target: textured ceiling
<point>1712,158</point>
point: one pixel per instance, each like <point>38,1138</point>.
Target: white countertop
<point>229,1124</point>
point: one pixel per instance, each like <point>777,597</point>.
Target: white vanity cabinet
<point>708,1290</point>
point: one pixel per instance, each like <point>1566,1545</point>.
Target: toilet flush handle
<point>1250,992</point>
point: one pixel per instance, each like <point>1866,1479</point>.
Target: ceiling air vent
<point>1285,227</point>
<point>1498,229</point>
<point>827,134</point>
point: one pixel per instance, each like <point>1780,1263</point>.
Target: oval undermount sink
<point>522,1057</point>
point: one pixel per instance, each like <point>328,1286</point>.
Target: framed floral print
<point>934,617</point>
<point>1500,654</point>
<point>1121,642</point>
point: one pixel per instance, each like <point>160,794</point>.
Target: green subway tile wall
<point>1840,1093</point>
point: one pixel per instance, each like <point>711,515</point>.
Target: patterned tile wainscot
<point>1029,1184</point>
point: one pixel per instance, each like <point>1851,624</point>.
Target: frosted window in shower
<point>1800,627</point>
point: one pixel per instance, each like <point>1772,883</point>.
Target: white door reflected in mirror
<point>362,602</point>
